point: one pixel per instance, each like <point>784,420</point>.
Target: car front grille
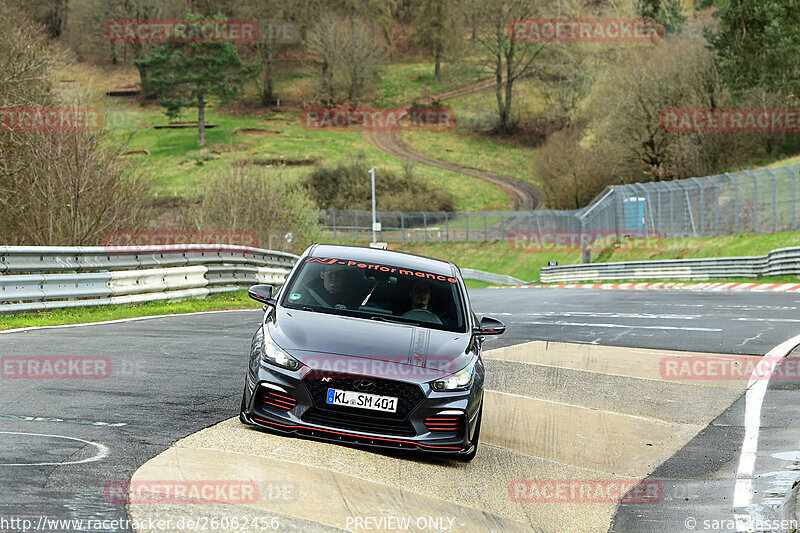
<point>356,422</point>
<point>409,397</point>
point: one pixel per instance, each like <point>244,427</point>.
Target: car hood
<point>319,340</point>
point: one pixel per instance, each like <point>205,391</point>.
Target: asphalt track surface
<point>63,441</point>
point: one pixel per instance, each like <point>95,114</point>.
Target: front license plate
<point>362,400</point>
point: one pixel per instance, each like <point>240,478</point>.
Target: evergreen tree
<point>187,74</point>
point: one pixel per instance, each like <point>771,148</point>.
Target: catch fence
<point>751,201</point>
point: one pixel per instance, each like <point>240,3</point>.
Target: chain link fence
<point>752,201</point>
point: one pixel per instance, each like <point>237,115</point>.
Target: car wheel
<point>475,438</point>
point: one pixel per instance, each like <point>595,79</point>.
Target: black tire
<point>475,439</point>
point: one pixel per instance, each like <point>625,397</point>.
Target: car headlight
<point>271,353</point>
<point>461,380</point>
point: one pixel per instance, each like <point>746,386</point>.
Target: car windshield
<point>376,291</point>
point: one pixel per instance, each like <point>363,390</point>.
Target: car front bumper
<point>431,421</point>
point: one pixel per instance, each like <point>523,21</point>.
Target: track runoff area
<point>605,411</point>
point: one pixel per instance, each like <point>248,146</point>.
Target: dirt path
<point>524,196</point>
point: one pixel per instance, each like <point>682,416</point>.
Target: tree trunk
<point>498,72</point>
<point>474,23</point>
<point>505,125</point>
<point>437,69</point>
<point>267,54</point>
<point>508,126</point>
<point>201,122</point>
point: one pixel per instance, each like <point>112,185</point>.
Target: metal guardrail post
<point>794,204</point>
<point>658,206</point>
<point>334,223</point>
<point>688,208</point>
<point>672,211</point>
<point>755,200</point>
<point>702,206</point>
<point>485,228</point>
<point>402,226</point>
<point>735,202</point>
<point>774,200</point>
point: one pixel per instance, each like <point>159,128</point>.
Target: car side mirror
<point>489,326</point>
<point>262,293</point>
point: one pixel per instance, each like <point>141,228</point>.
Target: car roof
<point>384,257</point>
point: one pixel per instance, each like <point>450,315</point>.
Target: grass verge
<point>83,315</point>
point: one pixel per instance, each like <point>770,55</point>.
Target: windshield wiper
<point>394,320</point>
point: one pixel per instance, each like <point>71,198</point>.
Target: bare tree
<point>88,18</point>
<point>64,187</point>
<point>438,25</point>
<point>508,59</point>
<point>625,107</point>
<point>571,174</point>
<point>50,13</point>
<point>348,55</point>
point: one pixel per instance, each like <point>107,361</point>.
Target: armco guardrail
<point>784,261</point>
<point>44,277</point>
<point>488,277</point>
<point>33,278</point>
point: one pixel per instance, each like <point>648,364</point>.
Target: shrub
<point>258,200</point>
<point>348,186</point>
<point>57,188</point>
<point>570,174</point>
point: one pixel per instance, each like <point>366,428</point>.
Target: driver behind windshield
<point>420,295</point>
<point>337,288</point>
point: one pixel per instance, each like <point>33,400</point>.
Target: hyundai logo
<point>365,385</point>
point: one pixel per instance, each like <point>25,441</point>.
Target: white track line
<point>102,450</point>
<point>754,399</point>
<point>601,325</point>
